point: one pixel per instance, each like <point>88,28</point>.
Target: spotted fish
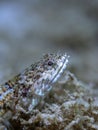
<point>32,84</point>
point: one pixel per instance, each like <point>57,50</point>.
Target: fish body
<point>27,88</point>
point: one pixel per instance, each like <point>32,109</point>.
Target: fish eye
<point>50,63</point>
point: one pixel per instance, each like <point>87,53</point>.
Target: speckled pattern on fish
<point>27,88</point>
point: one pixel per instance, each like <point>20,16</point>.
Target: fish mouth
<point>61,69</point>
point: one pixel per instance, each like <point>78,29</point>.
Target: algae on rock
<point>69,106</point>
